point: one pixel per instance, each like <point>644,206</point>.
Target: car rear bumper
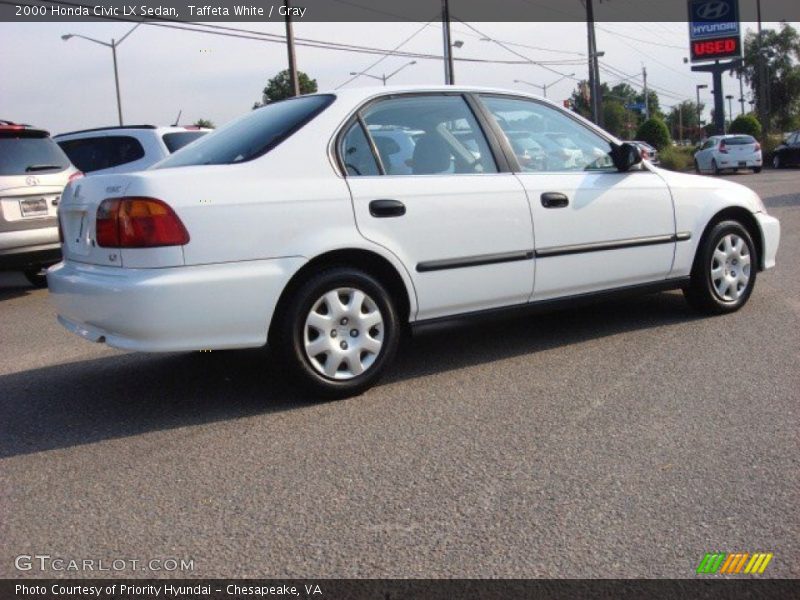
<point>771,236</point>
<point>749,162</point>
<point>227,305</point>
<point>29,247</point>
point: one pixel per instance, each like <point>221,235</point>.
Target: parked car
<point>124,149</point>
<point>33,173</point>
<point>728,152</point>
<point>648,152</point>
<point>788,153</point>
<point>284,228</point>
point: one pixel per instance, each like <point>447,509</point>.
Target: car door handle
<point>381,209</point>
<point>554,200</point>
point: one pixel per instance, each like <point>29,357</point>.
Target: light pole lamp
<point>113,45</point>
<point>384,77</point>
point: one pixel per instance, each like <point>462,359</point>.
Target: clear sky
<point>63,86</point>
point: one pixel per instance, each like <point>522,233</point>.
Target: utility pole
<point>763,115</point>
<point>700,86</point>
<point>594,75</point>
<point>680,122</point>
<point>295,82</point>
<point>741,91</point>
<point>449,75</point>
<point>646,95</point>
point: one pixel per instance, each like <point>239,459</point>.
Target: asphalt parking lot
<point>621,440</point>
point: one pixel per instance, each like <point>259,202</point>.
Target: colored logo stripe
<point>734,563</point>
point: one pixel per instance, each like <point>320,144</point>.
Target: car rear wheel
<point>339,333</point>
<point>724,270</point>
<point>756,169</point>
<point>36,276</point>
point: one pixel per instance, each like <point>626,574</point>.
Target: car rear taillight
<point>74,176</point>
<point>138,223</point>
<point>758,147</point>
<point>723,148</point>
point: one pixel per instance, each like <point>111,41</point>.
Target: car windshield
<point>250,136</point>
<point>25,152</point>
<point>739,140</point>
<point>177,140</point>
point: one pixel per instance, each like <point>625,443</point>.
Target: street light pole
<point>293,78</point>
<point>700,86</point>
<point>449,75</point>
<point>384,77</point>
<point>545,86</point>
<point>113,45</point>
<point>729,97</point>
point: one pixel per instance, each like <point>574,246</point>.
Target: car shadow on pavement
<point>13,285</point>
<point>88,401</point>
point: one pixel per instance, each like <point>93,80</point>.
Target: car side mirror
<point>625,156</point>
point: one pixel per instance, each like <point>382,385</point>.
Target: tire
<point>756,170</point>
<point>715,167</point>
<point>354,348</point>
<point>724,270</point>
<point>36,277</point>
<point>697,167</point>
<point>776,162</point>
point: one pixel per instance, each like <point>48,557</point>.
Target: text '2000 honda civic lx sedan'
<point>301,226</point>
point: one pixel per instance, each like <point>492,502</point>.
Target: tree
<point>747,125</point>
<point>280,86</point>
<point>205,123</point>
<point>686,114</point>
<point>781,52</point>
<point>615,119</point>
<point>654,131</point>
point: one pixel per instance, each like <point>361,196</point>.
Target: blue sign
<point>713,19</point>
<point>635,106</point>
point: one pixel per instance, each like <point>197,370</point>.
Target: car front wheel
<point>339,333</point>
<point>776,162</point>
<point>724,270</point>
<point>715,167</point>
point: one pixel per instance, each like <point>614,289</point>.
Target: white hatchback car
<point>728,152</point>
<point>292,227</point>
<point>126,148</point>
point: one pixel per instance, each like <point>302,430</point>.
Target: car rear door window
<point>25,152</point>
<point>250,136</point>
<point>428,134</point>
<point>102,152</point>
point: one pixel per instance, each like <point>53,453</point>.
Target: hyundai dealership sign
<point>714,29</point>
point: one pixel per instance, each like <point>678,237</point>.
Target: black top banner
<point>378,10</point>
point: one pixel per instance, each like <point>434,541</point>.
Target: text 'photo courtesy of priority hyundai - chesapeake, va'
<point>432,299</point>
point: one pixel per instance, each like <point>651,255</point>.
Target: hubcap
<point>343,333</point>
<point>730,267</point>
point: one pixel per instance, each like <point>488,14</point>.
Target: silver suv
<point>33,173</point>
<point>126,148</point>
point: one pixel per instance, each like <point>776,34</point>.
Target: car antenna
<point>178,118</point>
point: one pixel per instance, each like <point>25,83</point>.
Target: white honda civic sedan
<point>324,225</point>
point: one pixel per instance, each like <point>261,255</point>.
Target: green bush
<point>654,132</point>
<point>676,158</point>
<point>747,125</point>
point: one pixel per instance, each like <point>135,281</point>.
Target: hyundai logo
<point>31,180</point>
<point>713,11</point>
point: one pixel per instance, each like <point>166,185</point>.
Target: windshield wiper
<point>42,168</point>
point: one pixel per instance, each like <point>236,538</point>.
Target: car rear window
<point>102,152</point>
<point>739,140</point>
<point>25,152</point>
<point>250,136</point>
<point>177,140</point>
